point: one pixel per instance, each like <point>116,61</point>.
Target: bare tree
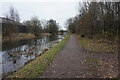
<point>52,26</point>
<point>97,20</point>
<point>13,14</point>
<point>37,28</point>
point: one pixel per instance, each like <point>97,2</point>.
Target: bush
<point>82,36</point>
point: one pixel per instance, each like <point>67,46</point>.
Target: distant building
<point>11,26</point>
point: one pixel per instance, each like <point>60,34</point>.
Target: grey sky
<point>60,11</point>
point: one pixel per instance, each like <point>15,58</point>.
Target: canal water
<point>18,53</point>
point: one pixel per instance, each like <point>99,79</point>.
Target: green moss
<point>36,67</point>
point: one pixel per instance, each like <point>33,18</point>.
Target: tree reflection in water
<point>17,54</point>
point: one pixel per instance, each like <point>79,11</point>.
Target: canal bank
<point>16,54</point>
<point>22,36</point>
<point>35,68</point>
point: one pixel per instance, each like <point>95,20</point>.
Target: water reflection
<point>17,54</point>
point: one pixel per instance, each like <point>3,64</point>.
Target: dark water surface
<point>16,54</point>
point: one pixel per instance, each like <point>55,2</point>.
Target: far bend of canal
<point>16,54</point>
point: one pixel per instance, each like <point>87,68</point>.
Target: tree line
<point>96,20</point>
<point>34,25</point>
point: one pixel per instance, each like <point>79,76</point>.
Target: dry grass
<point>100,60</point>
<point>19,36</point>
<point>45,34</point>
<point>98,46</point>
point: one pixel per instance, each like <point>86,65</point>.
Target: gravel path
<point>67,63</point>
<point>71,63</point>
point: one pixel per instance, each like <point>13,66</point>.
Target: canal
<point>16,54</point>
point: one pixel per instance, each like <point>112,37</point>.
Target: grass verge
<point>97,46</point>
<point>35,68</point>
<point>20,36</point>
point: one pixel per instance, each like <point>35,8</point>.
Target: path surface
<point>67,62</point>
<point>71,63</point>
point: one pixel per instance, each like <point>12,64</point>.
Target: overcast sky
<point>59,11</point>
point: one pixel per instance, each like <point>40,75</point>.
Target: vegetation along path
<point>74,62</point>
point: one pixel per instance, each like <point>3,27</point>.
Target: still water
<point>16,54</point>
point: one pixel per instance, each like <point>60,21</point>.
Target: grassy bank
<point>36,67</point>
<point>97,46</point>
<point>45,34</point>
<point>19,36</point>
